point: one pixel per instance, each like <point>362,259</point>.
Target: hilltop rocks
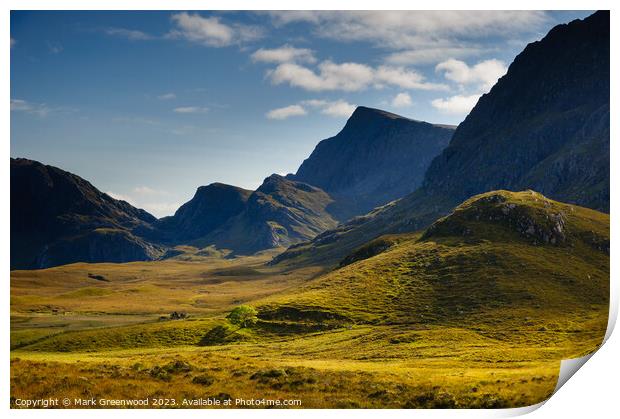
<point>529,214</point>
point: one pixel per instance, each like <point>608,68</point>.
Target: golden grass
<point>435,320</point>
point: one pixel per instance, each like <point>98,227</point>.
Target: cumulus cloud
<point>131,34</point>
<point>402,77</point>
<point>211,31</point>
<point>286,112</point>
<point>331,76</point>
<point>191,109</point>
<point>484,74</point>
<point>401,100</point>
<point>284,54</point>
<point>348,77</point>
<point>335,108</point>
<point>339,108</point>
<point>456,105</point>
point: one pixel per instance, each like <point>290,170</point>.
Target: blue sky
<point>150,105</point>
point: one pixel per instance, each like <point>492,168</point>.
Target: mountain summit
<point>376,158</point>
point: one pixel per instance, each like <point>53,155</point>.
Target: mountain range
<point>383,154</point>
<point>543,126</point>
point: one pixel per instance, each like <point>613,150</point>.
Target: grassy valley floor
<point>478,311</point>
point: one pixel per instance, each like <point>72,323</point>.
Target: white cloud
<point>284,54</point>
<point>13,42</point>
<point>339,108</point>
<point>457,105</point>
<point>403,30</point>
<point>167,96</point>
<point>191,109</point>
<point>286,112</point>
<point>211,31</point>
<point>432,55</point>
<point>408,79</point>
<point>131,34</point>
<point>402,100</point>
<point>335,108</point>
<point>348,77</point>
<point>484,74</point>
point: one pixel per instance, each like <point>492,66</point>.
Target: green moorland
<point>476,311</point>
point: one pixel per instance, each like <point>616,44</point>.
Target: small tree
<point>243,316</point>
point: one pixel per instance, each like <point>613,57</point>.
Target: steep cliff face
<point>544,126</point>
<point>51,208</point>
<point>376,158</point>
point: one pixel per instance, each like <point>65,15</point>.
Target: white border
<point>591,393</point>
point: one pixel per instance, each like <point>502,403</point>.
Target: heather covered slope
<point>497,259</point>
<point>376,158</point>
<point>58,217</point>
<point>543,126</point>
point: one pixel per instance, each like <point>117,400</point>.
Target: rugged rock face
<point>53,211</point>
<point>527,214</point>
<point>210,208</point>
<point>543,126</point>
<point>279,213</point>
<point>376,158</point>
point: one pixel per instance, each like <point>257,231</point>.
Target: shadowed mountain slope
<point>58,217</point>
<point>279,213</point>
<point>210,208</point>
<point>376,158</point>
